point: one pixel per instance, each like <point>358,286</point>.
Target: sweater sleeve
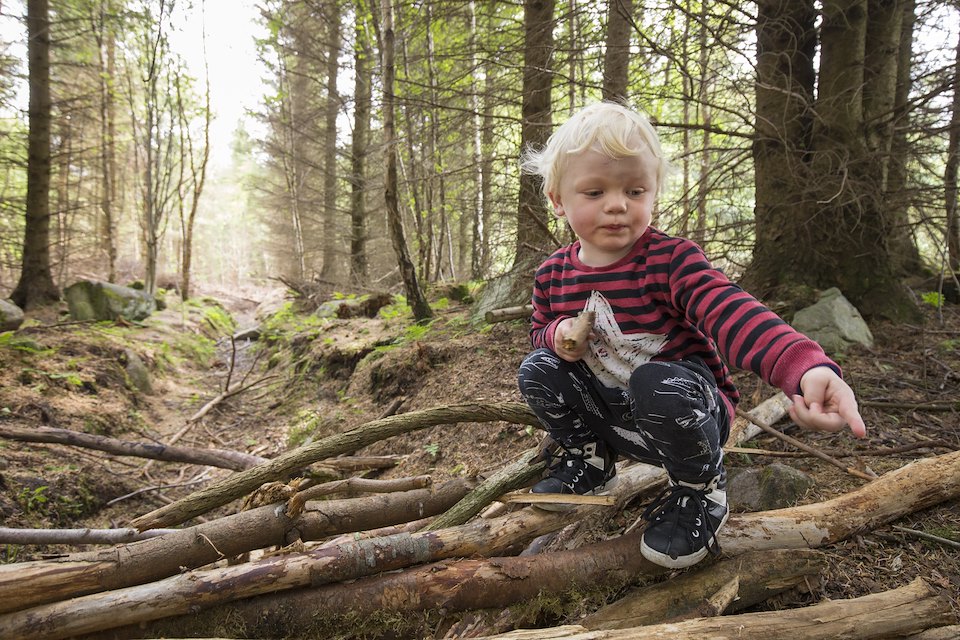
<point>746,333</point>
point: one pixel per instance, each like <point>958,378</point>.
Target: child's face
<point>608,203</point>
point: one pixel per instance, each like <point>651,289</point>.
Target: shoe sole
<point>559,506</point>
<point>664,560</point>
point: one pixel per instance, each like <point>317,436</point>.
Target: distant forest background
<point>815,144</point>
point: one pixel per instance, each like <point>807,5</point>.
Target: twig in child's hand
<point>582,327</point>
<point>796,443</point>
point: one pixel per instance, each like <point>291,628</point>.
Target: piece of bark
<point>28,584</point>
<point>200,589</point>
<point>582,326</point>
<point>240,484</point>
<point>508,313</point>
<point>221,458</point>
<point>889,614</point>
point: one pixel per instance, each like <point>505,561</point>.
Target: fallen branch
<point>805,447</point>
<point>281,467</point>
<point>508,313</point>
<point>221,458</point>
<point>923,535</point>
<point>77,536</point>
<point>889,614</point>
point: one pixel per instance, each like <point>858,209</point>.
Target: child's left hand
<point>827,404</point>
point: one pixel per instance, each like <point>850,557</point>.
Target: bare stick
<point>582,327</point>
<point>538,498</point>
<point>811,450</point>
<point>928,536</point>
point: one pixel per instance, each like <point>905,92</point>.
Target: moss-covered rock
<point>96,300</point>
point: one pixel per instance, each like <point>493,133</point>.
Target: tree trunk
<point>616,54</point>
<point>786,44</point>
<point>362,93</point>
<point>950,174</point>
<point>36,286</point>
<point>820,216</point>
<point>415,298</point>
<point>331,110</point>
<point>535,126</point>
<point>903,248</point>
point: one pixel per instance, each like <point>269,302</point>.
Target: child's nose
<point>616,203</point>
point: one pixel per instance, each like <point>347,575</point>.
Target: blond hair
<point>607,127</point>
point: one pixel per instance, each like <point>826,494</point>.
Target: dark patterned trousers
<point>671,416</point>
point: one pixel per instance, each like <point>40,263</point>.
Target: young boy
<point>651,383</point>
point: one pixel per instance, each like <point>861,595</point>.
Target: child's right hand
<point>564,329</point>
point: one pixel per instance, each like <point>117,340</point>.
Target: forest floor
<point>311,377</point>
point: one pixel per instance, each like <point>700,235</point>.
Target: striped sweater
<point>665,301</point>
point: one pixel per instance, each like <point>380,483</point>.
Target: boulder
<point>95,300</point>
<point>11,316</point>
<point>833,322</point>
<point>775,486</point>
<point>137,373</point>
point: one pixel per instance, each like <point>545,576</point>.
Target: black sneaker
<point>587,469</point>
<point>683,522</point>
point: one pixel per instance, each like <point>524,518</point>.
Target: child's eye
<point>639,191</point>
<point>592,193</point>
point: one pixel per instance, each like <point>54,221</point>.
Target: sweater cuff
<point>795,361</point>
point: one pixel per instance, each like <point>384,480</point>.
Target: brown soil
<point>348,371</point>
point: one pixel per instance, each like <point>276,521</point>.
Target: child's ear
<point>557,205</point>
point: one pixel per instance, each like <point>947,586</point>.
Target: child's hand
<point>564,329</point>
<point>827,403</point>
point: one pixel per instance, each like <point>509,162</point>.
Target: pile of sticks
<point>296,562</point>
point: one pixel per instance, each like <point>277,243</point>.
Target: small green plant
<point>433,449</point>
<point>932,298</point>
<point>10,553</point>
<point>33,500</point>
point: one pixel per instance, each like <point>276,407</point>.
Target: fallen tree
<point>911,488</point>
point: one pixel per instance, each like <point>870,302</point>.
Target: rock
<point>273,302</point>
<point>95,300</point>
<point>252,334</point>
<point>137,372</point>
<point>11,316</point>
<point>833,322</point>
<point>774,486</point>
